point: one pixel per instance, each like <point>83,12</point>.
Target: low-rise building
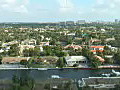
<point>110,39</point>
<point>114,49</point>
<point>95,40</point>
<point>44,43</point>
<point>100,58</point>
<point>47,59</point>
<point>13,60</point>
<point>71,34</point>
<point>1,50</point>
<point>23,47</point>
<point>73,46</point>
<point>9,43</point>
<point>71,60</point>
<point>29,42</point>
<point>95,49</point>
<point>100,83</point>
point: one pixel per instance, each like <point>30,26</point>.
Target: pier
<point>100,82</point>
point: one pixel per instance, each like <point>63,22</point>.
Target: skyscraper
<point>80,22</point>
<point>116,20</point>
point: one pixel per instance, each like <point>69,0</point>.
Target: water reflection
<point>41,80</point>
<point>24,81</point>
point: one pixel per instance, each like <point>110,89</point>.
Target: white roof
<point>75,58</point>
<point>55,76</point>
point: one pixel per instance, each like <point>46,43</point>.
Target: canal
<point>42,75</point>
<point>45,74</point>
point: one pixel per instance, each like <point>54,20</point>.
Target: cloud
<point>105,9</point>
<point>66,6</point>
<point>14,6</point>
<point>108,6</point>
<point>21,9</point>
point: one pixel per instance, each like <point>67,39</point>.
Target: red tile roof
<point>100,58</point>
<point>97,50</point>
<point>97,46</point>
<point>73,46</point>
<point>14,59</point>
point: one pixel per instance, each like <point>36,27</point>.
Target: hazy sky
<point>58,10</point>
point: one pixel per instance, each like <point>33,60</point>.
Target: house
<point>51,28</point>
<point>13,60</point>
<point>110,57</point>
<point>72,60</point>
<point>100,58</point>
<point>44,43</point>
<point>110,39</point>
<point>1,50</point>
<point>95,49</point>
<point>73,46</point>
<point>29,42</point>
<point>71,34</point>
<point>23,47</point>
<point>9,43</point>
<point>95,40</point>
<point>47,59</point>
<point>77,38</point>
<point>114,49</point>
<point>41,48</point>
<point>103,30</point>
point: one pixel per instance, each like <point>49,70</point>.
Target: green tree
<point>14,50</point>
<point>60,54</point>
<point>61,62</point>
<point>0,59</point>
<point>95,62</point>
<point>15,79</point>
<point>36,51</point>
<point>91,58</point>
<point>69,41</point>
<point>116,57</point>
<point>23,62</point>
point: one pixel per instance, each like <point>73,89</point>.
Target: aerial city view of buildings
<point>59,44</point>
<point>66,44</point>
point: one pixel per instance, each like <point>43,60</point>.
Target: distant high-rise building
<point>70,23</point>
<point>62,23</point>
<point>80,22</point>
<point>116,20</point>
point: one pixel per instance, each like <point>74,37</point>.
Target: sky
<point>58,10</point>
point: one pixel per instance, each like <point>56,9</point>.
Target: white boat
<point>104,86</point>
<point>55,76</point>
<point>117,73</point>
<point>42,69</point>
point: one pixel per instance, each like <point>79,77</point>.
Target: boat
<point>42,69</point>
<point>104,86</point>
<point>55,76</point>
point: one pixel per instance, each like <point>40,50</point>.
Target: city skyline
<point>58,10</point>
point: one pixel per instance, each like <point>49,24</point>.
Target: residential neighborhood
<point>52,45</point>
<point>59,44</point>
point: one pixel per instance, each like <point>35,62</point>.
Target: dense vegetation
<point>59,37</point>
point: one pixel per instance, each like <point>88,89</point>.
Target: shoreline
<point>75,68</point>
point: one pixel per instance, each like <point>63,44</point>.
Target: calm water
<point>44,75</point>
<point>30,77</point>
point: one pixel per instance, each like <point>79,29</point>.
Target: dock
<point>100,82</point>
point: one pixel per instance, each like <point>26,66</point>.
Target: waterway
<point>41,75</point>
<point>45,74</point>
